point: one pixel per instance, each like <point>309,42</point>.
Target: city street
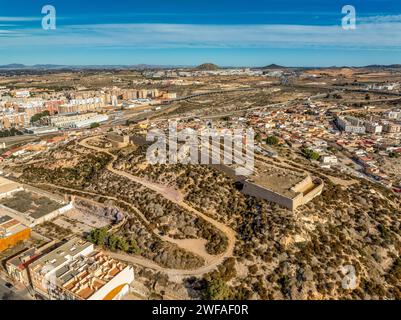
<point>13,293</point>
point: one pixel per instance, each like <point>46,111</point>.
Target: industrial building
<point>8,187</point>
<point>78,121</point>
<point>29,205</point>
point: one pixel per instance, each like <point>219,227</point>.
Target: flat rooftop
<point>9,226</point>
<point>87,275</point>
<point>79,269</point>
<point>62,254</point>
<point>4,219</point>
<point>278,180</point>
<point>21,261</point>
<point>8,185</point>
<point>31,204</point>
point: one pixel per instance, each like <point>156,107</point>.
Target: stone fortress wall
<point>306,190</point>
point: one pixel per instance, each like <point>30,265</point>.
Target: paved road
<point>13,293</point>
<point>10,141</point>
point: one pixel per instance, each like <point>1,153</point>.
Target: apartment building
<point>373,127</point>
<point>326,159</point>
<point>130,94</point>
<point>394,115</point>
<point>53,106</point>
<point>390,127</point>
<point>16,120</point>
<point>17,267</point>
<point>142,94</point>
<point>76,271</point>
<point>351,125</point>
<point>169,95</point>
<point>11,231</point>
<point>114,101</point>
<point>21,93</point>
<point>82,105</point>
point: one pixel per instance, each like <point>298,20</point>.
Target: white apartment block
<point>78,121</point>
<point>351,125</point>
<point>22,94</point>
<point>329,159</point>
<point>76,271</point>
<point>373,127</point>
<point>394,115</point>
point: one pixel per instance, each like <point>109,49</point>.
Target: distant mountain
<point>46,66</point>
<point>208,67</point>
<point>274,66</point>
<point>13,66</point>
<point>379,66</point>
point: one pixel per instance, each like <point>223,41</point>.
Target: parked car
<point>9,285</point>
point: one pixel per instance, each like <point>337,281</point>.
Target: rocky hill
<point>208,67</point>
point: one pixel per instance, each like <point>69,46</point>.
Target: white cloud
<point>366,36</point>
<point>19,19</point>
<point>380,19</point>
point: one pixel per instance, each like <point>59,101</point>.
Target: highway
<point>208,93</point>
<point>10,141</point>
<point>140,114</point>
<point>347,88</point>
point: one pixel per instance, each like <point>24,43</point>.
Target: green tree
<point>98,236</point>
<point>217,289</point>
<point>38,116</point>
<point>122,244</point>
<point>112,242</point>
<point>310,154</point>
<point>272,140</point>
<point>95,125</point>
<point>133,247</point>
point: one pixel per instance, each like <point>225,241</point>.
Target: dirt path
<point>196,246</point>
<point>167,192</point>
<point>211,261</point>
<point>193,245</point>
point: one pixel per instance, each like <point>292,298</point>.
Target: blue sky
<point>188,32</point>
